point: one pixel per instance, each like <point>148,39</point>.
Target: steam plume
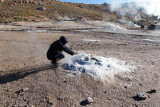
<point>150,7</point>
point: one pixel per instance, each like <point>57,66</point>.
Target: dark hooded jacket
<point>57,47</point>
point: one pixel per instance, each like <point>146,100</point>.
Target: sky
<point>96,1</point>
<point>152,7</point>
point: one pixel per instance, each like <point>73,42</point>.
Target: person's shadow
<point>21,73</point>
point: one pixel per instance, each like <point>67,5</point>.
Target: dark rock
<point>83,103</point>
<point>80,6</point>
<point>140,84</point>
<point>151,26</point>
<point>125,87</point>
<point>142,26</point>
<point>21,91</point>
<point>65,81</point>
<point>87,101</point>
<point>41,8</point>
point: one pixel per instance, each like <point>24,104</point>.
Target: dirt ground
<point>27,79</point>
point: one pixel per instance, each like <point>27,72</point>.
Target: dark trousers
<point>59,55</point>
<point>54,56</point>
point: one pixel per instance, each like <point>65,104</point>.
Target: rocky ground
<point>27,79</point>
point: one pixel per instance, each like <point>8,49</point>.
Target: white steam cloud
<point>150,7</point>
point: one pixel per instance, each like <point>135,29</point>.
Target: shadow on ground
<point>21,73</point>
<point>83,103</point>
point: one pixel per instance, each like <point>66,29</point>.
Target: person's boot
<point>53,62</point>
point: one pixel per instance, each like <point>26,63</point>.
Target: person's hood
<point>63,40</point>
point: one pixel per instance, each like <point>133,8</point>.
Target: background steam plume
<point>150,7</point>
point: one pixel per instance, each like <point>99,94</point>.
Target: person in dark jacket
<point>54,52</point>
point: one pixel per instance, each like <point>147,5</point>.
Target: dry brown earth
<point>23,64</point>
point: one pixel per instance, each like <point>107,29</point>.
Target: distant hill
<point>20,10</point>
<point>28,1</point>
<point>45,10</point>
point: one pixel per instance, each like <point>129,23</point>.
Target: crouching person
<point>54,52</point>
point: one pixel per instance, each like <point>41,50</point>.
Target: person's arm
<point>67,50</point>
